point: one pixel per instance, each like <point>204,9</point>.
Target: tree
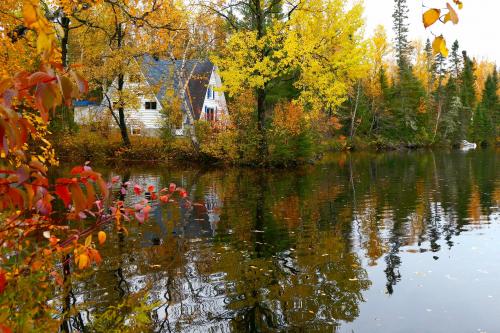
<point>483,125</point>
<point>316,45</point>
<point>400,28</point>
<point>407,91</point>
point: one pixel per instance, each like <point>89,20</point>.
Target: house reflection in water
<point>199,219</point>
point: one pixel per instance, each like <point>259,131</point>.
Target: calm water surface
<point>393,242</point>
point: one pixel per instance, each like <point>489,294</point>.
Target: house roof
<point>160,75</point>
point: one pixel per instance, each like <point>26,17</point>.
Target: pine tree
<point>407,93</point>
<point>483,126</point>
<point>456,114</point>
<point>467,95</point>
<point>455,61</point>
<point>430,66</point>
<point>400,27</point>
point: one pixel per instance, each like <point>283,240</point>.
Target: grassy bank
<point>225,148</point>
<point>86,145</point>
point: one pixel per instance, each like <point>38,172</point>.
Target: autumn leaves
<point>432,15</point>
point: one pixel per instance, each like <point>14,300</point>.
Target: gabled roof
<point>160,75</point>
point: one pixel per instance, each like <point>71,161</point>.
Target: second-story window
<point>150,106</point>
<point>210,92</point>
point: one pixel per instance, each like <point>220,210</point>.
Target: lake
<point>361,242</point>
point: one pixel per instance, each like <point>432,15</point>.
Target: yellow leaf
<point>439,46</point>
<point>431,16</point>
<point>452,15</point>
<point>83,261</point>
<point>101,235</point>
<point>88,240</point>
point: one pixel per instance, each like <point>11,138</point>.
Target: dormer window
<point>210,93</point>
<point>150,106</point>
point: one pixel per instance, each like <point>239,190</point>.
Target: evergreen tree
<point>400,27</point>
<point>483,126</point>
<point>407,93</point>
<point>430,66</point>
<point>455,61</point>
<point>467,94</point>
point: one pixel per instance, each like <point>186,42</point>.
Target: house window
<point>210,92</point>
<point>136,131</point>
<point>209,114</point>
<point>150,106</point>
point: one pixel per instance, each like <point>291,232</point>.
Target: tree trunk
<point>121,82</point>
<point>353,117</point>
<point>65,40</point>
<point>121,114</point>
<point>261,121</point>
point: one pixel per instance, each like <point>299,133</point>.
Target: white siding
<point>218,103</point>
<point>148,119</point>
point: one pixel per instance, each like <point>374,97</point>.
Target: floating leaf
<point>431,16</point>
<point>451,15</point>
<point>439,46</point>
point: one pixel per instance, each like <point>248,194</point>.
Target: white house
<point>156,86</point>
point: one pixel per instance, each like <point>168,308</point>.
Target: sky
<point>478,31</point>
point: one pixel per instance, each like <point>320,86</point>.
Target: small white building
<point>158,85</point>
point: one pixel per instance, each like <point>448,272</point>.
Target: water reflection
<point>254,250</point>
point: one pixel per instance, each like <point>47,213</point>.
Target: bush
<point>91,145</point>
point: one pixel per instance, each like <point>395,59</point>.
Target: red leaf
<point>77,170</point>
<point>63,193</point>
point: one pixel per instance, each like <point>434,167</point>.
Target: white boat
<point>466,145</point>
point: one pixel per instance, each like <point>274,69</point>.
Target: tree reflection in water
<point>257,250</point>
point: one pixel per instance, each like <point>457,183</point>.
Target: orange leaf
<point>452,15</point>
<point>83,261</point>
<point>430,17</point>
<point>78,197</point>
<point>101,236</point>
<point>95,256</point>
